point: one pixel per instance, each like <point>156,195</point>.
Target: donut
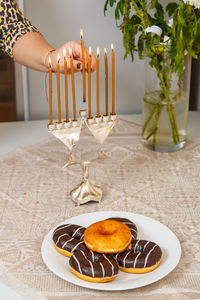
<point>144,256</point>
<point>93,267</point>
<point>69,237</point>
<point>107,236</point>
<point>130,225</point>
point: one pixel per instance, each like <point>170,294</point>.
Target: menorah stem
<point>102,153</point>
<point>86,191</point>
<point>85,167</point>
<point>71,160</point>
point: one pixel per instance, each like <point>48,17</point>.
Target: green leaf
<point>119,9</point>
<point>171,7</point>
<point>108,2</point>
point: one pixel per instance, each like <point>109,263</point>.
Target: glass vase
<point>165,114</point>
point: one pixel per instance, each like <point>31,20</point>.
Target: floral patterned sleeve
<point>13,25</point>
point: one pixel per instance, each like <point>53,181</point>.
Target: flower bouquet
<point>166,35</point>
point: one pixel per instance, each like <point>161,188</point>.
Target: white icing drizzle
<point>136,259</point>
<point>132,229</point>
<point>103,270</point>
<point>77,246</point>
<point>146,259</point>
<point>67,242</point>
<point>92,268</point>
<point>109,263</point>
<point>125,257</point>
<point>146,245</point>
<point>82,236</point>
<point>116,256</point>
<point>92,255</point>
<point>136,245</point>
<point>79,267</point>
<point>60,237</point>
<point>128,223</point>
<point>64,226</point>
<point>76,231</point>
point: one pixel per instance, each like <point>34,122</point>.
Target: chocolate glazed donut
<point>145,256</point>
<point>69,237</point>
<point>92,266</point>
<point>130,225</point>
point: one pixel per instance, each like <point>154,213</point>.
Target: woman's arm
<point>22,41</point>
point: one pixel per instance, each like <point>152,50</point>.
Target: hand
<point>76,54</point>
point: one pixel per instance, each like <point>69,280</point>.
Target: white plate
<point>148,228</point>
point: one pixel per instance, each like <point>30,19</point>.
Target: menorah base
<point>85,192</point>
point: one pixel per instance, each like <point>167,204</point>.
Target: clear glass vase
<point>165,113</point>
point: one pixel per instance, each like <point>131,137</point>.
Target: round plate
<point>148,229</point>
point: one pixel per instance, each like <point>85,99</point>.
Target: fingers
<point>76,55</point>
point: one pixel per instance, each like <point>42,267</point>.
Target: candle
<point>73,84</point>
<point>83,65</point>
<point>89,82</point>
<point>106,81</point>
<point>58,88</point>
<point>97,81</point>
<point>113,80</point>
<point>50,93</point>
<point>66,86</point>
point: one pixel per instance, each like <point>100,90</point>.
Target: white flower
<point>154,29</point>
<point>195,3</point>
<point>170,22</point>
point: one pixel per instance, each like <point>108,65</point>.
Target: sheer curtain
<point>195,86</point>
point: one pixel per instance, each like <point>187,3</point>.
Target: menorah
<point>100,126</point>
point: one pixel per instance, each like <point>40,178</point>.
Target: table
<point>34,194</point>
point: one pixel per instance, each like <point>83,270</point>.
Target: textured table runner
<point>34,197</point>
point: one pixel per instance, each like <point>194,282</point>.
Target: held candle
<point>113,80</point>
<point>73,84</point>
<point>89,83</point>
<point>50,93</point>
<point>83,65</point>
<point>66,86</point>
<point>58,89</point>
<point>106,81</point>
<point>97,81</point>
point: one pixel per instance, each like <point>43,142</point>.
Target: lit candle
<point>50,93</point>
<point>97,81</point>
<point>73,84</point>
<point>89,82</point>
<point>83,65</point>
<point>106,81</point>
<point>66,86</point>
<point>113,80</point>
<point>58,89</point>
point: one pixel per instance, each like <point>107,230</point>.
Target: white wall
<point>60,21</point>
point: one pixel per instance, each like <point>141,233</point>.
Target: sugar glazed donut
<point>108,236</point>
<point>93,267</point>
<point>145,256</point>
<point>69,237</point>
<point>130,225</point>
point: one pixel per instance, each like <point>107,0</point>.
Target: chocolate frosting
<point>93,264</point>
<point>69,237</point>
<point>142,254</point>
<point>130,225</point>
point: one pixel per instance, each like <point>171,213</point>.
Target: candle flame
<point>105,51</point>
<point>112,47</point>
<point>64,53</point>
<point>58,58</point>
<point>49,62</point>
<point>70,52</point>
<point>81,33</point>
<point>90,50</point>
<point>98,52</point>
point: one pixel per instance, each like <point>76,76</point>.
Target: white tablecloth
<point>34,197</point>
